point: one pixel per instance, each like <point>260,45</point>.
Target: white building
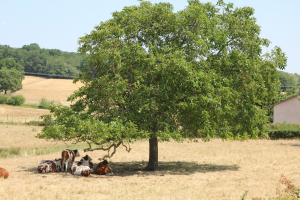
<point>287,111</point>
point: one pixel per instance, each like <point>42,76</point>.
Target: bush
<point>45,104</point>
<point>37,123</point>
<point>16,100</point>
<point>283,131</point>
<point>3,99</point>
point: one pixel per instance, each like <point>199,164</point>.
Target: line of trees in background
<point>31,59</point>
<point>287,79</point>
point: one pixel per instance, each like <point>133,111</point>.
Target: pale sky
<point>57,24</point>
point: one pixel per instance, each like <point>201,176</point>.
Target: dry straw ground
<point>212,170</point>
<point>20,114</point>
<point>35,88</point>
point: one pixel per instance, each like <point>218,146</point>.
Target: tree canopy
<point>157,74</point>
<point>11,75</point>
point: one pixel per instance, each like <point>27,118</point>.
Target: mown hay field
<point>18,114</point>
<point>57,90</point>
<point>212,170</point>
<point>34,89</point>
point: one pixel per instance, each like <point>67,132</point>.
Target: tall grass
<point>10,152</point>
<point>18,152</point>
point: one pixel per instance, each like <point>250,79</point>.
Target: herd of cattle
<point>67,162</point>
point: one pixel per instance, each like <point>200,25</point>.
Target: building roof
<point>286,99</point>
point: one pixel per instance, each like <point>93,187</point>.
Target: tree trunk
<point>153,155</point>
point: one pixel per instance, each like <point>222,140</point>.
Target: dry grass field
<point>20,114</point>
<point>23,137</point>
<point>35,88</point>
<point>212,170</point>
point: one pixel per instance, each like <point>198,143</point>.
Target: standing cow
<point>68,157</point>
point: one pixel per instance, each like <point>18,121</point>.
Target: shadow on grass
<point>293,145</point>
<point>165,168</point>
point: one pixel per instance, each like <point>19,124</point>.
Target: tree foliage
<point>31,58</point>
<point>11,75</point>
<point>287,79</point>
<point>153,73</point>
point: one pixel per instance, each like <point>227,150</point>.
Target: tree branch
<point>107,149</point>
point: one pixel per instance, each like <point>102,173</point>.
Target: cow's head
<point>76,152</point>
<point>42,162</point>
<point>105,162</point>
<point>86,158</point>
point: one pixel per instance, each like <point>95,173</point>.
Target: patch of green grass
<point>10,152</point>
<point>13,123</point>
<point>30,123</point>
<point>30,106</point>
<point>18,152</point>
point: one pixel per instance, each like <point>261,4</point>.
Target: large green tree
<point>11,75</point>
<point>157,74</point>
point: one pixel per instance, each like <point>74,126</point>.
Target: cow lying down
<point>3,173</point>
<point>84,167</point>
<point>103,168</point>
<point>47,166</point>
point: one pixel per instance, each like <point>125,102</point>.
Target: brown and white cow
<point>47,166</point>
<point>3,173</point>
<point>68,157</point>
<point>103,168</point>
<point>58,163</point>
<point>82,167</point>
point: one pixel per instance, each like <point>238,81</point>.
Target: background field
<point>35,88</point>
<point>20,114</point>
<point>213,170</point>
